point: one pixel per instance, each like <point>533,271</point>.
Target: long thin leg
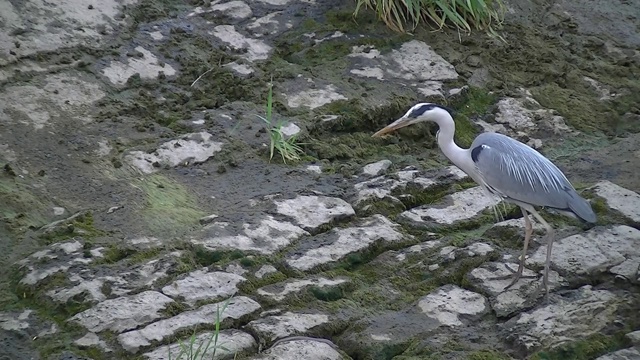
<point>550,237</point>
<point>528,231</point>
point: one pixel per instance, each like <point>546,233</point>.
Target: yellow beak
<point>400,123</point>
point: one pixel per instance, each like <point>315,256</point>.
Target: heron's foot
<point>542,288</point>
<point>515,276</point>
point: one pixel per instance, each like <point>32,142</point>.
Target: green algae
<point>589,348</point>
<point>20,209</point>
<point>169,207</point>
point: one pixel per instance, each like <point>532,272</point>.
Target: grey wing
<point>516,171</point>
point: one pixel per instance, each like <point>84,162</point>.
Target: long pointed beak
<point>400,123</point>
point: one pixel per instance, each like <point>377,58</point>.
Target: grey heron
<point>508,169</point>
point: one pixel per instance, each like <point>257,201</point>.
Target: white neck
<point>459,156</point>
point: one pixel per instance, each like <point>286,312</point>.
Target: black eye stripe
<point>426,107</point>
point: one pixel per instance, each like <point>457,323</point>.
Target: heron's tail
<point>581,207</point>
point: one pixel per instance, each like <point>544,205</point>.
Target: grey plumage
<point>506,168</point>
<point>516,172</point>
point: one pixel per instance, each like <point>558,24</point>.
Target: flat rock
<point>338,243</point>
<point>447,303</point>
<point>272,328</point>
<point>92,340</point>
<point>577,315</point>
<point>237,308</point>
<point>301,349</point>
<point>123,313</point>
<point>464,205</point>
<point>267,236</point>
<point>59,96</point>
<point>73,27</point>
<point>146,66</point>
<point>314,98</point>
<point>414,61</point>
<point>524,114</point>
<point>374,169</point>
<point>91,280</point>
<point>190,148</point>
<point>519,296</point>
<point>281,290</point>
<point>624,354</point>
<point>270,24</point>
<point>311,212</point>
<point>634,336</point>
<point>253,49</point>
<point>234,9</point>
<point>620,199</point>
<point>229,343</point>
<point>382,187</point>
<point>595,251</point>
<point>202,285</point>
<point>265,270</point>
<point>56,258</point>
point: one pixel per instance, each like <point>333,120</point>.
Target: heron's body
<point>506,168</point>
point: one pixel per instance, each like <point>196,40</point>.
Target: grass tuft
<point>207,349</point>
<point>287,146</point>
<point>463,15</point>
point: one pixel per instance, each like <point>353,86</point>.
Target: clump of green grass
<point>463,15</point>
<point>206,349</point>
<point>287,146</point>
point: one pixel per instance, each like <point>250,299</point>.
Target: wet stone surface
<point>139,204</point>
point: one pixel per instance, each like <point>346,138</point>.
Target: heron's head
<point>418,113</point>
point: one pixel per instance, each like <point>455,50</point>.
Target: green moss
<point>589,348</point>
<point>174,308</point>
<point>487,355</point>
<point>170,208</point>
<point>115,253</point>
<point>327,294</point>
<point>80,225</point>
<point>20,208</point>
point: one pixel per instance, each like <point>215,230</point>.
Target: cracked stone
<point>594,251</point>
<point>338,243</point>
<point>123,313</point>
<point>190,148</point>
<point>311,212</point>
<point>272,328</point>
<point>582,313</point>
<point>233,341</point>
<point>620,199</point>
<point>202,285</point>
<point>280,291</point>
<point>516,298</point>
<point>467,204</point>
<point>266,237</point>
<point>447,303</point>
<point>161,330</point>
